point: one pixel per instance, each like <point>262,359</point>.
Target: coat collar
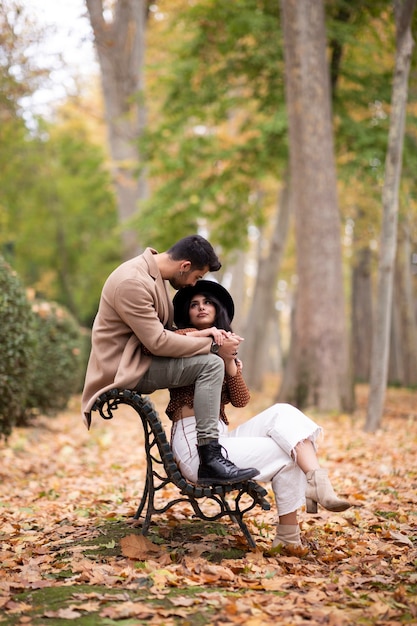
<point>148,255</point>
<point>168,310</point>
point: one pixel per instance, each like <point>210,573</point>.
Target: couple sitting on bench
<point>135,346</point>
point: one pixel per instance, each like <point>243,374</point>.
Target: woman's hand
<point>229,348</point>
<point>228,352</point>
<point>218,334</point>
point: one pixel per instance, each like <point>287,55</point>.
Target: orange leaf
<point>139,547</point>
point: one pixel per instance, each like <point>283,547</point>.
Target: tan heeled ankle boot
<point>319,490</point>
<point>287,535</point>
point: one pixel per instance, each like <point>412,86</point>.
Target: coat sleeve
<point>137,305</point>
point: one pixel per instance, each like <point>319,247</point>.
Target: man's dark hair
<point>196,249</point>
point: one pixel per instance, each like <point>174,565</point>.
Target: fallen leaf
<point>139,547</point>
<point>400,538</point>
<point>63,614</point>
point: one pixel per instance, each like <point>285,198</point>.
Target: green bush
<point>16,348</point>
<point>59,359</point>
<point>85,355</point>
<point>43,354</point>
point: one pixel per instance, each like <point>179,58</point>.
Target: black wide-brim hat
<point>184,296</point>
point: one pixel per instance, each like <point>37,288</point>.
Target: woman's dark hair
<point>221,321</point>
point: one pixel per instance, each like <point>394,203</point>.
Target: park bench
<point>162,469</point>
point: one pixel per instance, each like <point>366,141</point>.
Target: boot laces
<point>224,457</point>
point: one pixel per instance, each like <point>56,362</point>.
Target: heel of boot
<point>311,505</point>
<point>319,490</point>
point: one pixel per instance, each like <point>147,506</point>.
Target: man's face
<point>187,278</point>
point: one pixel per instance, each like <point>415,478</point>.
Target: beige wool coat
<point>135,309</point>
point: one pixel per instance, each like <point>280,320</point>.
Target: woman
<point>280,441</point>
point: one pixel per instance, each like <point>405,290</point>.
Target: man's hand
<point>218,334</point>
<point>229,349</point>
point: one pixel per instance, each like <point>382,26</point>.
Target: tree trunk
<point>237,287</point>
<point>403,340</point>
<point>120,47</point>
<point>319,372</point>
<point>395,360</point>
<point>404,10</point>
<point>362,314</point>
<point>262,314</point>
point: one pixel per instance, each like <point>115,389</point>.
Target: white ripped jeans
<point>266,442</point>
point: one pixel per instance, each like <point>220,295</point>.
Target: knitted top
<point>234,391</point>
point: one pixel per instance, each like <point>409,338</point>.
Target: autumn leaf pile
<point>67,497</point>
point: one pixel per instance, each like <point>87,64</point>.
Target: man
<point>133,346</point>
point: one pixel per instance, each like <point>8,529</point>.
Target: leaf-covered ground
<point>70,553</point>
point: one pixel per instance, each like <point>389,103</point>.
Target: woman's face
<point>202,312</point>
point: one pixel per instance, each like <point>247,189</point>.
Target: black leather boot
<point>215,469</point>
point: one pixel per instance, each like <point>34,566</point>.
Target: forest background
<point>267,127</point>
<point>189,131</point>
